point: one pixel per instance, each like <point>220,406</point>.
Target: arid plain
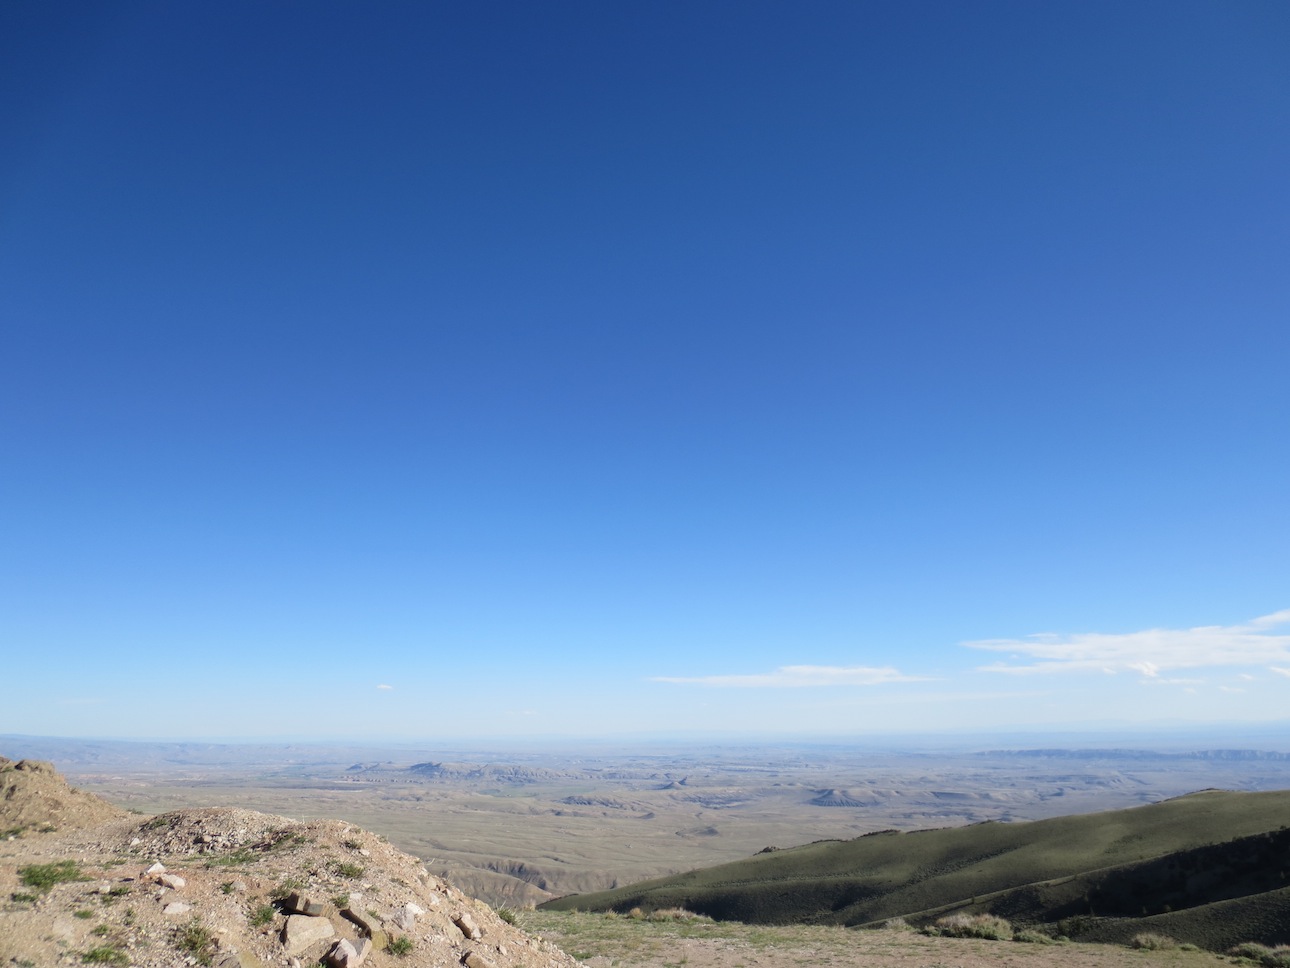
<point>519,827</point>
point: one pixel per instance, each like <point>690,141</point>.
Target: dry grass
<point>636,941</point>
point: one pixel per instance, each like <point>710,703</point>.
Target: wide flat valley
<point>522,825</point>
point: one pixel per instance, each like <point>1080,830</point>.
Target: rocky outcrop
<point>231,888</point>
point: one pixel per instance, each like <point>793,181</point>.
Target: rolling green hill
<point>1216,858</point>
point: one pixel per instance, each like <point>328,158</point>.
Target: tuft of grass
<point>987,926</point>
<point>897,924</point>
<point>23,897</point>
<point>197,940</point>
<point>1150,941</point>
<point>1034,937</point>
<point>507,915</point>
<point>236,858</point>
<point>114,894</point>
<point>44,876</point>
<point>340,900</point>
<point>675,914</point>
<point>346,869</point>
<point>262,915</point>
<point>400,946</point>
<point>83,913</point>
<point>101,930</point>
<point>286,886</point>
<point>1278,957</point>
<point>105,955</point>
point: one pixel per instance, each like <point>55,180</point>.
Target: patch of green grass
<point>400,946</point>
<point>1034,937</point>
<point>226,887</point>
<point>506,914</point>
<point>1150,941</point>
<point>12,832</point>
<point>1278,957</point>
<point>262,915</point>
<point>285,887</point>
<point>22,897</point>
<point>285,839</point>
<point>101,930</point>
<point>44,876</point>
<point>197,940</point>
<point>114,894</point>
<point>346,869</point>
<point>83,914</point>
<point>352,845</point>
<point>340,900</point>
<point>105,955</point>
<point>236,858</point>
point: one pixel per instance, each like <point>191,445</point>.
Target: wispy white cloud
<point>801,675</point>
<point>1150,652</point>
<point>1172,681</point>
<point>1280,670</point>
<point>384,686</point>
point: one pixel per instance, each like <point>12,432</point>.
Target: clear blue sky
<point>466,369</point>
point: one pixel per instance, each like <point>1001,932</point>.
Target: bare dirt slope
<point>215,887</point>
<point>33,796</point>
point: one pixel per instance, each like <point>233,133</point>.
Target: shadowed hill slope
<point>1146,861</point>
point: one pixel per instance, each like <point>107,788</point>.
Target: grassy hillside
<point>1149,861</point>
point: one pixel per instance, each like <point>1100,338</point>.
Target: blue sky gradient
<point>578,368</point>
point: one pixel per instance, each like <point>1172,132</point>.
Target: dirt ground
<point>621,943</point>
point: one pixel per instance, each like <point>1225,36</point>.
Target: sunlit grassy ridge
<point>1157,861</point>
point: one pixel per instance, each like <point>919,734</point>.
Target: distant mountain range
<point>1121,754</point>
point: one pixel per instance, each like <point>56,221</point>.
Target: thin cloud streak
<point>799,676</point>
<point>1148,653</point>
